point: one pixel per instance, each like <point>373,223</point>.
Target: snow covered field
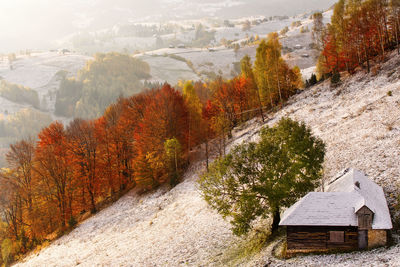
<point>360,124</point>
<point>221,60</point>
<point>164,68</point>
<point>38,72</point>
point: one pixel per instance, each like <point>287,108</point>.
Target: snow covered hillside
<point>359,121</point>
<point>221,60</point>
<point>38,71</point>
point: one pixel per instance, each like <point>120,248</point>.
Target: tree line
<point>100,83</point>
<point>19,94</point>
<point>141,141</point>
<point>359,31</point>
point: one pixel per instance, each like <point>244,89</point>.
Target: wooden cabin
<point>352,214</point>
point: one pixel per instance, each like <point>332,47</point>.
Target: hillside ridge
<point>358,121</point>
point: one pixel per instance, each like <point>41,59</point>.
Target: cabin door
<point>362,239</point>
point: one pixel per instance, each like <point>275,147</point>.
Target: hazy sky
<point>36,23</point>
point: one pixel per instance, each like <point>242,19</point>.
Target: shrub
<point>312,81</point>
<point>304,29</point>
<point>284,30</point>
<point>389,93</point>
<point>72,222</point>
<point>335,79</point>
<point>6,251</point>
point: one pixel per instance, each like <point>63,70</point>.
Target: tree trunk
<point>275,220</point>
<point>207,153</point>
<point>190,121</point>
<point>279,83</point>
<point>260,105</point>
<point>270,93</point>
<point>176,162</point>
<point>397,36</point>
<point>93,209</point>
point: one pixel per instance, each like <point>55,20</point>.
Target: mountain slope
<point>359,123</point>
<point>39,72</point>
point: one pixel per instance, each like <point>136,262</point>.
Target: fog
<point>27,24</point>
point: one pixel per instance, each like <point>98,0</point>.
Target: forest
<point>22,124</point>
<point>359,32</point>
<point>141,141</point>
<point>100,83</point>
<point>19,94</point>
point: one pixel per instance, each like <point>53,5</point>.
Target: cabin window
<point>336,236</point>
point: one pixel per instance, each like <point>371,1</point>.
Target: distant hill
<point>63,18</point>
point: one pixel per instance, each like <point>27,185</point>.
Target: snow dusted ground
<point>163,229</point>
<point>360,125</point>
<point>221,60</point>
<point>38,72</point>
<point>168,69</point>
<point>295,37</point>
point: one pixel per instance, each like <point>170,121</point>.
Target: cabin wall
<point>377,238</point>
<point>316,238</point>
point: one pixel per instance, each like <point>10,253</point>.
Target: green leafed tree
<point>258,180</point>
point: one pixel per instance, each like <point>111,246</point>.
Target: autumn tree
<point>165,117</point>
<point>11,204</point>
<point>172,155</point>
<point>359,30</point>
<point>208,113</point>
<point>247,72</point>
<point>84,147</point>
<point>318,30</point>
<point>262,74</point>
<point>225,119</point>
<point>194,107</point>
<point>20,160</point>
<point>54,172</point>
<point>394,21</point>
<point>275,79</point>
<point>115,133</point>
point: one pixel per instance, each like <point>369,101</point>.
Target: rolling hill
<point>358,121</point>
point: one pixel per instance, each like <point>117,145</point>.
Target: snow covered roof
<point>345,195</point>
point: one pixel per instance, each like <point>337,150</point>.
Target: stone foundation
<point>377,238</point>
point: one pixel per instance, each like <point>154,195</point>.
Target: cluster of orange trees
<point>140,141</point>
<point>359,31</point>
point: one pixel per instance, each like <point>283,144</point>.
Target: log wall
<point>316,238</point>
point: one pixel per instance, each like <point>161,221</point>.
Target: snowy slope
<point>359,123</point>
<point>38,72</point>
<point>221,60</point>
